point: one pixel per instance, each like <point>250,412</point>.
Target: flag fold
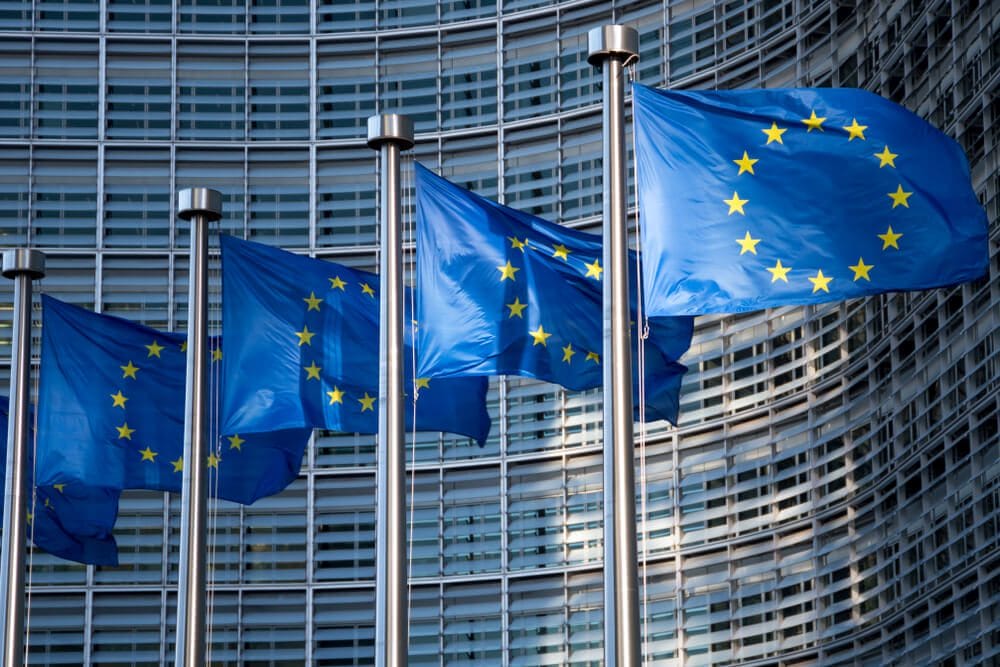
<point>111,413</point>
<point>301,348</point>
<point>501,292</point>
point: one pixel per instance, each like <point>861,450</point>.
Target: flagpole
<point>22,265</point>
<point>389,134</point>
<point>200,206</point>
<point>611,48</point>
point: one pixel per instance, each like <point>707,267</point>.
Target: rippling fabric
<point>111,413</point>
<point>503,292</point>
<point>757,198</point>
<point>301,348</point>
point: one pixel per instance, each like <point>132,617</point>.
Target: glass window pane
<point>64,206</point>
<point>59,15</point>
<point>139,15</point>
<point>137,198</point>
<point>211,91</point>
<point>468,78</point>
<point>279,197</point>
<point>345,197</point>
<point>212,16</point>
<point>279,16</point>
<point>138,90</point>
<point>345,15</point>
<point>279,91</point>
<point>529,70</point>
<point>15,87</point>
<point>408,73</point>
<point>14,188</point>
<point>345,88</point>
<point>66,90</point>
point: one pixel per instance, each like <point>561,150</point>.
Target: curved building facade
<point>832,493</point>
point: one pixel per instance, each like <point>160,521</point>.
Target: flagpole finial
<point>612,40</point>
<point>199,201</point>
<point>390,128</point>
<point>23,260</point>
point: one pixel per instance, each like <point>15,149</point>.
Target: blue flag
<point>300,348</point>
<point>111,413</point>
<point>74,522</point>
<point>502,292</point>
<point>758,198</point>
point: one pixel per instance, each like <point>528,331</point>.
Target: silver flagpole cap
<point>612,40</point>
<point>390,128</point>
<point>23,260</point>
<point>199,201</point>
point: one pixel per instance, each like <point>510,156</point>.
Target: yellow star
<point>561,251</point>
<point>779,272</point>
<point>507,271</point>
<point>48,503</point>
<point>154,349</point>
<point>235,442</point>
<point>337,283</point>
<point>336,396</point>
<point>736,204</point>
<point>59,487</point>
<point>540,336</point>
<point>568,353</point>
<point>178,464</point>
<point>746,163</point>
<point>899,197</point>
<point>593,356</point>
<point>813,122</point>
<point>149,455</point>
<point>213,460</point>
<point>312,301</point>
<point>29,517</point>
<point>124,432</point>
<point>367,289</point>
<point>516,308</point>
<point>748,244</point>
<point>119,399</point>
<point>594,270</point>
<point>861,270</point>
<point>217,354</point>
<point>422,383</point>
<point>855,131</point>
<point>774,133</point>
<point>367,402</point>
<point>184,346</point>
<point>518,244</point>
<point>312,371</point>
<point>890,239</point>
<point>129,371</point>
<point>305,336</point>
<point>886,158</point>
<point>820,282</point>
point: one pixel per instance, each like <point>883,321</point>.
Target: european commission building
<point>832,492</point>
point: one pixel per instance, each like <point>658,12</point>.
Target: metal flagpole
<point>389,134</point>
<point>613,47</point>
<point>200,206</point>
<point>21,265</point>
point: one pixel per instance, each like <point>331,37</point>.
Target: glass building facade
<point>832,493</point>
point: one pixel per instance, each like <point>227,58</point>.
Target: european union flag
<point>111,413</point>
<point>501,292</point>
<point>758,198</point>
<point>74,522</point>
<point>300,348</point>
